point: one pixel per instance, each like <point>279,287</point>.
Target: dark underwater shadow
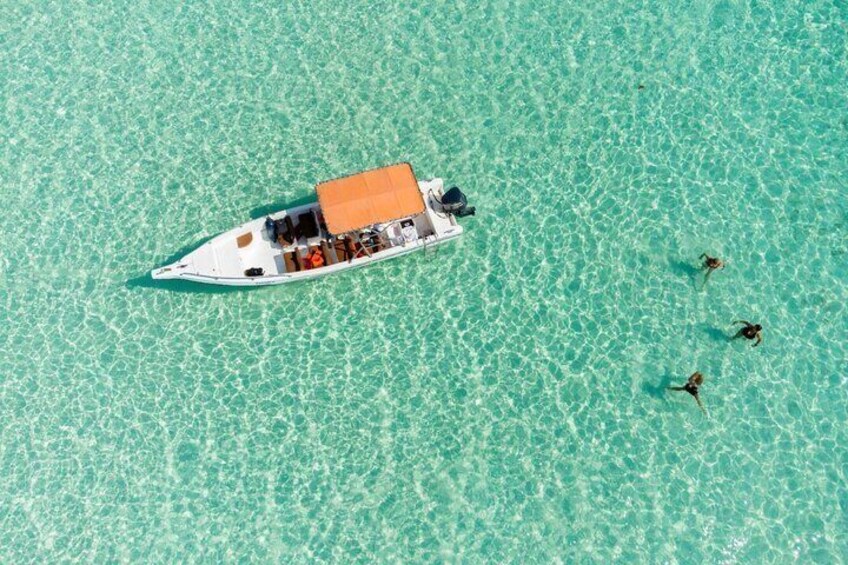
<point>657,390</point>
<point>683,268</point>
<point>262,211</point>
<point>716,334</point>
<point>146,281</point>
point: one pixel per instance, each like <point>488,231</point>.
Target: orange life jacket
<point>315,259</point>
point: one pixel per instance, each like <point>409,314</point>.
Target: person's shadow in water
<point>716,334</point>
<point>684,269</point>
<point>658,390</point>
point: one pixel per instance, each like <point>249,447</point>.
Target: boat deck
<point>253,248</point>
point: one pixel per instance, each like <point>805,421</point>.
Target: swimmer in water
<point>710,264</point>
<point>695,381</point>
<point>750,331</point>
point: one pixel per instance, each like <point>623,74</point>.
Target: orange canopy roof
<point>375,196</point>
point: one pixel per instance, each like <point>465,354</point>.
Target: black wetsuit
<point>691,388</point>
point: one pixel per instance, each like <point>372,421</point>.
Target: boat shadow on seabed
<point>263,211</point>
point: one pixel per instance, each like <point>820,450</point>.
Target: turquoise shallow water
<point>500,400</point>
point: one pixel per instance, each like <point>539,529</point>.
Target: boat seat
<point>339,248</point>
<point>283,233</point>
<point>344,249</point>
<point>307,225</point>
<point>290,228</point>
<point>291,264</point>
<point>329,253</point>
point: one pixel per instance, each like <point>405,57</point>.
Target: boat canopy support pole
<point>361,245</point>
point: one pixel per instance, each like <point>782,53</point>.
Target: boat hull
<point>171,272</point>
<point>226,258</point>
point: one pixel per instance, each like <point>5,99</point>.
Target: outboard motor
<point>454,201</point>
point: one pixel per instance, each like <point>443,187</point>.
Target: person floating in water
<point>710,264</point>
<point>695,381</point>
<point>750,331</point>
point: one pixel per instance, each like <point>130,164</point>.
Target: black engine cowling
<point>454,201</point>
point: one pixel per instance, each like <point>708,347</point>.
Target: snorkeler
<point>695,380</point>
<point>750,331</point>
<point>710,264</point>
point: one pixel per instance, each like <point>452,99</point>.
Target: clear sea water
<point>501,400</point>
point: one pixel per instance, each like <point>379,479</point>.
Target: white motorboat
<point>355,221</point>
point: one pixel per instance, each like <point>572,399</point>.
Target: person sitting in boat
<point>314,259</point>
